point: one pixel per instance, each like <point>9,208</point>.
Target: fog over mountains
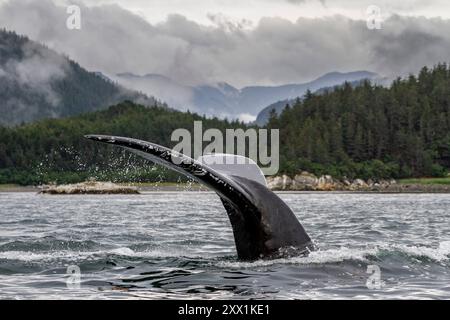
<point>223,99</point>
<point>273,51</point>
<point>37,82</point>
<point>222,68</point>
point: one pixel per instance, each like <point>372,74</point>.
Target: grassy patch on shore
<point>8,186</point>
<point>426,181</point>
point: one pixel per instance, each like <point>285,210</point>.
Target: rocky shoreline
<point>301,182</point>
<point>89,187</point>
<point>306,181</point>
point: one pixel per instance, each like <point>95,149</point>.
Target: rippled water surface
<point>180,245</point>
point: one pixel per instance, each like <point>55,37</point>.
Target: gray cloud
<point>273,51</point>
<point>36,70</point>
<point>303,1</point>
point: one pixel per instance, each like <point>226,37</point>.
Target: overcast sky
<point>253,10</point>
<point>243,42</point>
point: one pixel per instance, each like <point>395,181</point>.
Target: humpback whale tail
<point>263,225</point>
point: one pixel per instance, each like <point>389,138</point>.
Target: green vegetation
<point>370,131</point>
<point>55,150</point>
<point>7,186</point>
<point>365,132</point>
<point>426,181</point>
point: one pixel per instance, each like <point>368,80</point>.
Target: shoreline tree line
<point>365,131</point>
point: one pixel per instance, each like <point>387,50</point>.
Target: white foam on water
<point>439,254</point>
<point>28,256</point>
<point>123,251</point>
<point>445,246</point>
<point>48,256</point>
<point>315,257</point>
<point>159,252</point>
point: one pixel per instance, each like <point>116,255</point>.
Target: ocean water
<point>179,245</point>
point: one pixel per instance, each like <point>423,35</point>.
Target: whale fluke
<point>263,225</point>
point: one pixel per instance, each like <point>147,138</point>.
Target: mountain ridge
<point>36,82</point>
<point>223,99</point>
<point>264,114</point>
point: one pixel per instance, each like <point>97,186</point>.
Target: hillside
<point>367,131</point>
<point>55,149</point>
<point>224,100</point>
<point>36,83</point>
<point>371,131</point>
<point>264,114</point>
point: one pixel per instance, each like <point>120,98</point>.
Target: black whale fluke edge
<point>263,225</point>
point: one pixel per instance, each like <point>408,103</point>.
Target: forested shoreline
<point>55,150</point>
<point>370,131</point>
<point>367,131</point>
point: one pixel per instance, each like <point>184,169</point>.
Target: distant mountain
<point>174,94</point>
<point>256,98</point>
<point>263,115</point>
<point>36,83</point>
<point>218,100</point>
<point>224,100</point>
<point>370,131</point>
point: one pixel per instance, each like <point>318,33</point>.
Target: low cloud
<point>246,117</point>
<point>273,51</point>
<point>35,70</point>
<point>31,71</point>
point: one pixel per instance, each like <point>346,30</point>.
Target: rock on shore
<point>90,187</point>
<point>306,181</point>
